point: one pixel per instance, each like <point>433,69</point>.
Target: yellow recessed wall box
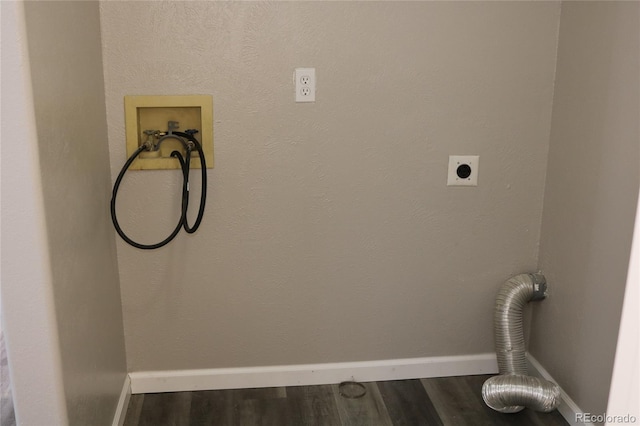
<point>147,114</point>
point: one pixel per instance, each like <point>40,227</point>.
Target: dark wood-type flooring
<point>454,401</point>
<point>7,416</point>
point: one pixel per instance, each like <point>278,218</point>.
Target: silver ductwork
<point>511,393</point>
<point>513,389</point>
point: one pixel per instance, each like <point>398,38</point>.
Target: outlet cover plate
<point>305,84</point>
<point>463,170</point>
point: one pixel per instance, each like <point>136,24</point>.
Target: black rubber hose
<point>203,192</point>
<point>114,218</point>
<point>184,166</point>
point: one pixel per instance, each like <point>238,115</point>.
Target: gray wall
<point>590,197</point>
<point>28,312</point>
<point>330,234</point>
<point>68,92</point>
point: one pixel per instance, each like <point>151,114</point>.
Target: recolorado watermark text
<point>606,418</point>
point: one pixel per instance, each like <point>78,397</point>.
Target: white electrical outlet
<point>305,84</point>
<point>463,170</point>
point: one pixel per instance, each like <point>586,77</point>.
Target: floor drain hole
<point>352,390</point>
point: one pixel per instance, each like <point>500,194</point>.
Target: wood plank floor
<point>7,415</point>
<point>454,401</point>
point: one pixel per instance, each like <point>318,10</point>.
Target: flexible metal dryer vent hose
<point>513,389</point>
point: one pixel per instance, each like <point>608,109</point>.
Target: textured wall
<point>330,233</point>
<point>68,93</point>
<point>590,198</point>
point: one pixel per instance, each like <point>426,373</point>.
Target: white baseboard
<point>311,374</point>
<point>123,403</point>
<point>568,408</point>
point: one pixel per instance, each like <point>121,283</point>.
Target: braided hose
<point>513,389</point>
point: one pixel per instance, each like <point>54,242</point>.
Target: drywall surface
<point>28,311</point>
<point>590,198</point>
<point>625,389</point>
<point>68,93</point>
<point>330,234</point>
